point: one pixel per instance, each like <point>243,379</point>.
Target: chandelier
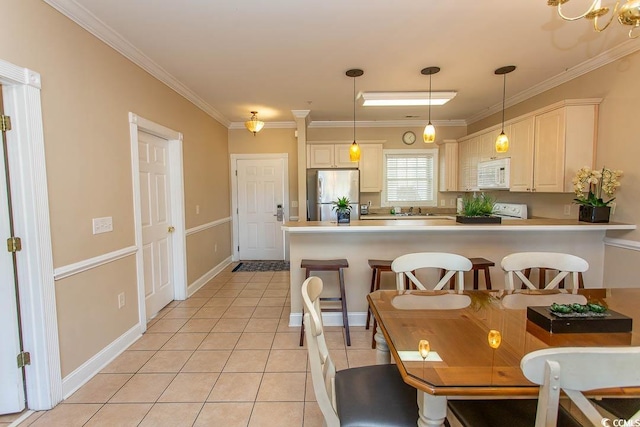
<point>253,124</point>
<point>628,14</point>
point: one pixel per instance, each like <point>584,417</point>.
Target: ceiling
<point>233,56</point>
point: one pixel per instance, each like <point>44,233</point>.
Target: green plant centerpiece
<point>343,210</point>
<point>477,209</point>
<point>596,183</point>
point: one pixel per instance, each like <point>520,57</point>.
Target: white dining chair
<point>514,265</point>
<point>452,264</point>
<point>365,396</point>
<point>572,370</point>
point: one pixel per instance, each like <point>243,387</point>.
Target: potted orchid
<point>596,184</point>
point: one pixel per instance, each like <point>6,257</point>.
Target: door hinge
<point>5,123</point>
<point>24,359</point>
<point>238,248</point>
<point>14,244</point>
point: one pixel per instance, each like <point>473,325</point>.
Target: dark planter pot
<point>594,213</point>
<point>343,217</point>
<point>478,219</point>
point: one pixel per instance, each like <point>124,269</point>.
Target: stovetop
<point>510,210</point>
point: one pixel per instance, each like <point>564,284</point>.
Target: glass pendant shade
<point>502,143</point>
<point>354,152</point>
<point>429,135</point>
<point>253,124</point>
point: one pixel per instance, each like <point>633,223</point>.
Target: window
<point>410,177</point>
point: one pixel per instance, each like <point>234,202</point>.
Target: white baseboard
<point>332,319</point>
<point>91,367</point>
<point>204,279</point>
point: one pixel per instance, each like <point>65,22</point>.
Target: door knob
<point>171,229</point>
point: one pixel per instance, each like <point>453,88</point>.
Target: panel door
<point>521,150</point>
<point>155,198</point>
<point>549,155</point>
<point>260,191</point>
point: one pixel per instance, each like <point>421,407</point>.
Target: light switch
<point>102,225</point>
<point>294,203</point>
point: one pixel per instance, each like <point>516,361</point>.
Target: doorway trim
<point>176,188</point>
<point>21,96</point>
<point>234,194</point>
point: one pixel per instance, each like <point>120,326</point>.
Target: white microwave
<point>494,174</point>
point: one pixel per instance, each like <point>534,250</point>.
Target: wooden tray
<point>613,322</point>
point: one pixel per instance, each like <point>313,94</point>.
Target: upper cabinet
<point>561,142</point>
<point>370,168</point>
<point>329,156</point>
<point>468,156</point>
<point>448,165</point>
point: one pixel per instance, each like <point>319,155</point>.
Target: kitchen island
<point>388,239</point>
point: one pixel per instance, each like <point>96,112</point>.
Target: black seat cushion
<point>375,396</point>
<point>621,408</point>
<point>512,413</point>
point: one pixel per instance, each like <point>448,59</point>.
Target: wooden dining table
<point>461,362</point>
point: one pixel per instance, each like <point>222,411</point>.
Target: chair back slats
<point>451,263</point>
<point>323,370</point>
<point>578,369</point>
<point>515,264</point>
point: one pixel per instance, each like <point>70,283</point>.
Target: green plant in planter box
<point>342,205</point>
<point>477,205</point>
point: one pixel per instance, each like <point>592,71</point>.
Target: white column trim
<point>88,264</point>
<point>622,243</point>
<point>202,227</point>
<point>28,173</point>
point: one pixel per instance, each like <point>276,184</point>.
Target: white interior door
<point>260,191</point>
<point>155,202</point>
<point>12,398</point>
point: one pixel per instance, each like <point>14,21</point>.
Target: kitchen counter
<point>387,239</point>
<point>374,216</point>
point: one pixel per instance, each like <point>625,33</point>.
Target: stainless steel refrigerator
<point>325,186</point>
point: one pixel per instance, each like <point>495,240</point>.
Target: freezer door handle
<point>320,188</point>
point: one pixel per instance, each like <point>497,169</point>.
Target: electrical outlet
<point>613,207</point>
<point>197,209</point>
<point>567,209</point>
<point>121,300</point>
<point>294,203</point>
<point>443,203</point>
<point>102,225</point>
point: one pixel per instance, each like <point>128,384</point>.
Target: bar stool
<point>378,266</point>
<point>477,264</point>
<point>329,265</point>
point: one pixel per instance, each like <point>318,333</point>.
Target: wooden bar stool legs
<point>329,265</point>
<point>477,264</point>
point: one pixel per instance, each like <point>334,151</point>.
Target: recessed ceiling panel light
<point>396,99</point>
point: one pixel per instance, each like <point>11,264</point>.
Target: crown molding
<point>300,114</point>
<point>99,29</point>
<point>385,123</point>
<point>267,125</point>
<point>607,57</point>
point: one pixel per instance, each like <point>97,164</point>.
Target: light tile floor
<point>224,357</point>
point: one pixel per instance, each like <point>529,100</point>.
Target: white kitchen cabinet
<point>448,165</point>
<point>487,144</point>
<point>521,151</point>
<point>329,156</point>
<point>564,140</point>
<point>469,154</point>
<point>370,168</point>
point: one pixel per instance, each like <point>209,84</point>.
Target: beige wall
<point>270,141</point>
<point>88,90</point>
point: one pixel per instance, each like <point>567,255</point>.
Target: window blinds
<point>410,177</point>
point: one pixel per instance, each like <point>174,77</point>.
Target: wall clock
<point>409,137</point>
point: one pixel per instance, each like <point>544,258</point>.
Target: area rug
<point>262,266</point>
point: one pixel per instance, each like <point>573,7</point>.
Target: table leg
<point>383,357</point>
<point>432,409</point>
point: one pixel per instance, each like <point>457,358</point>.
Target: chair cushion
<point>375,396</point>
<point>512,413</point>
<point>621,408</point>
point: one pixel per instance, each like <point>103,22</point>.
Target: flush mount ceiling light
<point>253,124</point>
<point>628,14</point>
<point>354,150</point>
<point>502,142</point>
<point>429,134</point>
<point>405,99</point>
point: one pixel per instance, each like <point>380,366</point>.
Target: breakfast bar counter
<point>387,239</point>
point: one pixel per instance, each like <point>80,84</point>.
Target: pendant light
<point>429,134</point>
<point>502,142</point>
<point>253,124</point>
<point>354,150</point>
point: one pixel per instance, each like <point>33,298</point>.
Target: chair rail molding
<point>632,245</point>
<point>202,227</point>
<point>90,263</point>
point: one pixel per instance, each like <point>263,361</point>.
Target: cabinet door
<point>341,156</point>
<point>549,141</point>
<point>464,164</point>
<point>521,151</point>
<point>371,168</point>
<point>448,165</point>
<point>474,158</point>
<point>321,156</point>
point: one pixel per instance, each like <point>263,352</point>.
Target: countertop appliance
<point>494,174</point>
<point>510,210</point>
<point>364,209</point>
<point>324,186</point>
